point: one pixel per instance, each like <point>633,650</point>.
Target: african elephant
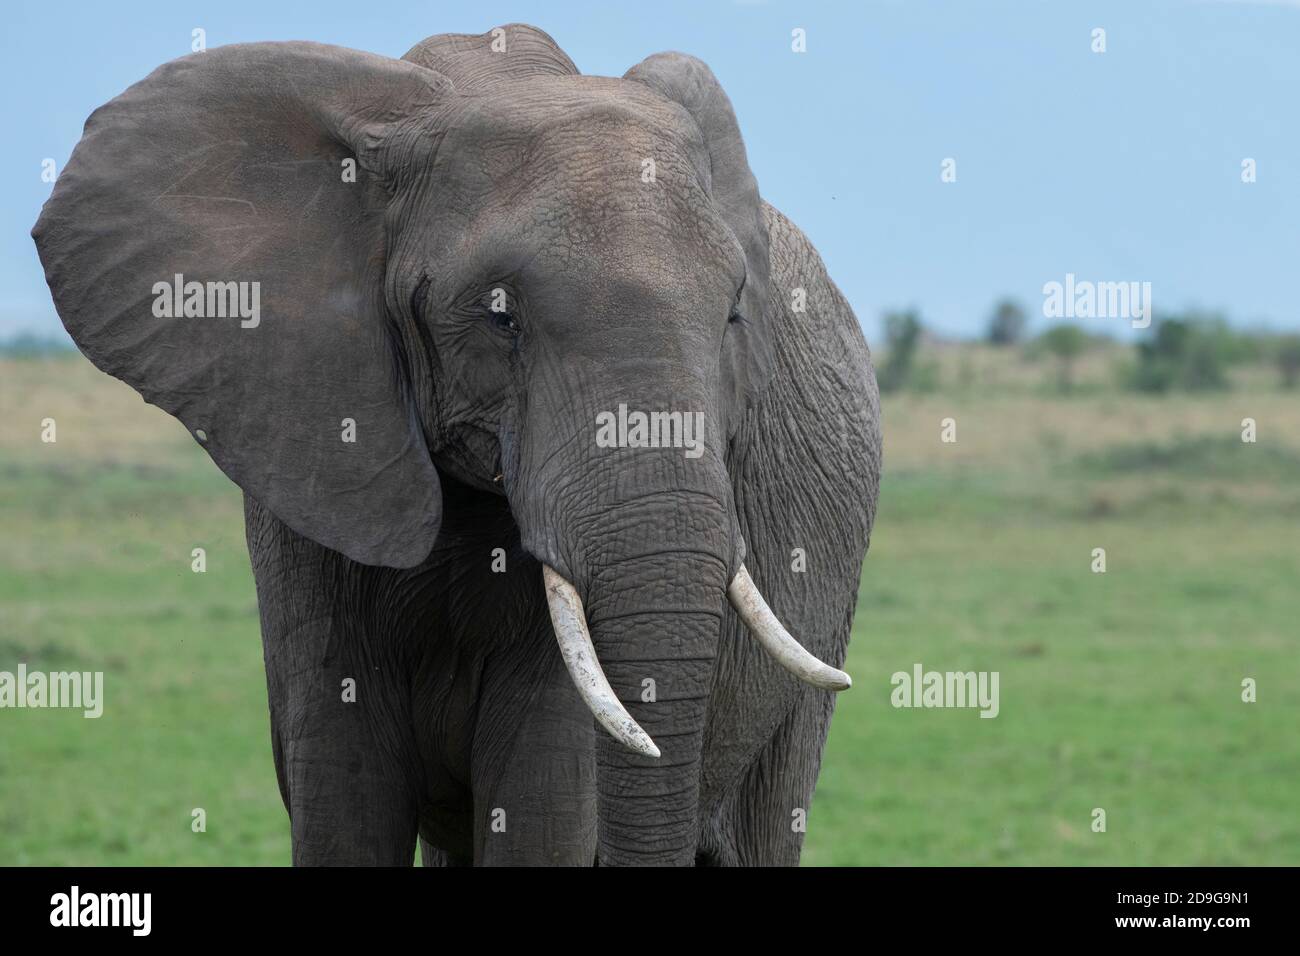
<point>505,359</point>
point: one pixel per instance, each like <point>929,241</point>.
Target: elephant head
<point>466,263</point>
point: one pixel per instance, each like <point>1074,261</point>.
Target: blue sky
<point>1124,165</point>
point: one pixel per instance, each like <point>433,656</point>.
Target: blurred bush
<point>1065,342</point>
<point>902,339</point>
<point>1007,324</point>
<point>1287,355</point>
<point>1191,353</point>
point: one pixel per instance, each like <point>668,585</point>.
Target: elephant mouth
<point>473,456</point>
<point>569,621</point>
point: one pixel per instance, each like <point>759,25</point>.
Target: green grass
<point>1203,456</point>
<point>1118,690</point>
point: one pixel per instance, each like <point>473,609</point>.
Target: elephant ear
<point>687,81</point>
<point>475,63</point>
<point>227,173</point>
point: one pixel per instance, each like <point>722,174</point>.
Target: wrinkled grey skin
<point>475,429</point>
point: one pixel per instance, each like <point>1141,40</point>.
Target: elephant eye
<point>505,322</point>
<point>495,306</point>
<point>498,305</point>
<point>735,316</point>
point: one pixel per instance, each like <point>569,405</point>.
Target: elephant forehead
<point>601,236</point>
<point>585,131</point>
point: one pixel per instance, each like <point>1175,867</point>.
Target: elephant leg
<point>534,776</point>
<point>345,806</point>
<point>339,702</point>
<point>343,761</point>
<point>761,821</point>
<point>343,749</point>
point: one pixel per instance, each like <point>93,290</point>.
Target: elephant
<point>551,433</point>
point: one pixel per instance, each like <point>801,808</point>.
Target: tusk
<point>570,623</point>
<point>776,640</point>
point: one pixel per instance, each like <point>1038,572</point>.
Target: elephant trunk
<point>654,609</point>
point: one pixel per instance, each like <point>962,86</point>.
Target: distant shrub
<point>1287,355</point>
<point>1007,324</point>
<point>1188,353</point>
<point>1066,342</point>
<point>902,338</point>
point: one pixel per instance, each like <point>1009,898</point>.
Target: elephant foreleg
<point>535,774</point>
